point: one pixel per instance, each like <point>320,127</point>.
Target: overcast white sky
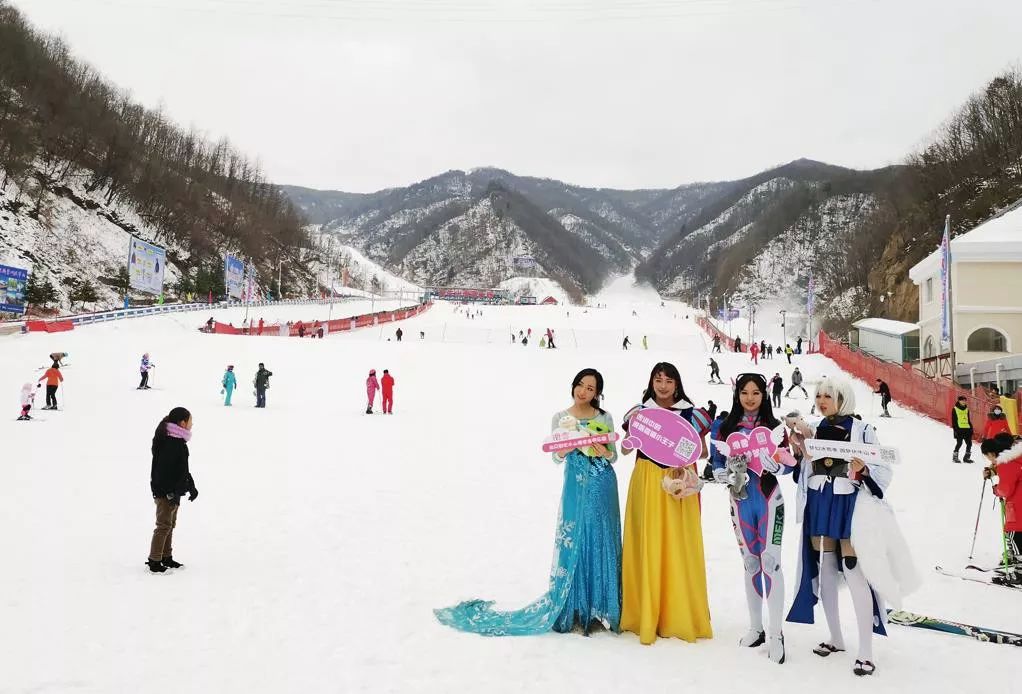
<point>364,94</point>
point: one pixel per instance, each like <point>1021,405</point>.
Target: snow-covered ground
<point>323,538</point>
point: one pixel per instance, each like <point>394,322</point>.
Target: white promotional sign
<point>845,450</point>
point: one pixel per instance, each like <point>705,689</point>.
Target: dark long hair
<point>766,411</point>
<point>997,445</point>
<point>178,414</point>
<point>670,371</point>
<point>595,402</point>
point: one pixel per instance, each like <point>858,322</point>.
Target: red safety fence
<point>932,397</point>
<point>712,330</point>
<point>41,326</point>
<point>311,328</point>
<point>726,342</point>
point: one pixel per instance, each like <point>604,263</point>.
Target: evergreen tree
<point>39,291</point>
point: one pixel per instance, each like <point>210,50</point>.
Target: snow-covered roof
<point>999,239</point>
<point>885,326</point>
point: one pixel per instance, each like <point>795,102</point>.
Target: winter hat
<point>386,371</point>
<point>230,367</point>
<point>372,372</point>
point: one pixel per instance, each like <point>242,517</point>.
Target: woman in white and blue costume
<point>584,589</point>
<point>828,488</point>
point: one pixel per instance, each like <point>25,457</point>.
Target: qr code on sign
<point>888,455</point>
<point>685,448</point>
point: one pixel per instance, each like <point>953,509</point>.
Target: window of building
<point>987,340</point>
<point>929,291</point>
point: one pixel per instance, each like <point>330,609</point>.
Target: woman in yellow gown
<point>663,573</point>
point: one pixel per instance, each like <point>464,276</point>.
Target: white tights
<point>774,598</point>
<point>862,602</point>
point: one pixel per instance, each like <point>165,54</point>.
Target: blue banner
<point>146,264</point>
<point>945,283</point>
<point>12,289</point>
<point>234,277</point>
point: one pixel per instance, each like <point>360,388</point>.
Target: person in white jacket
<point>27,400</point>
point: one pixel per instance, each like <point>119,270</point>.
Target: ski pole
<point>975,531</point>
<point>1004,538</point>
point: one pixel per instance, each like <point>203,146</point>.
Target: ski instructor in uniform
<point>262,382</point>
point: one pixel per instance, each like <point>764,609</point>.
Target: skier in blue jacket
<point>229,383</point>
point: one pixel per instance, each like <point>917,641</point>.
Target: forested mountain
<point>82,165</point>
<point>749,240</point>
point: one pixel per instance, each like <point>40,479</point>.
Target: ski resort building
<point>986,292</point>
<point>890,340</point>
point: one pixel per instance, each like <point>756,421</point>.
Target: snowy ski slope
<point>323,538</point>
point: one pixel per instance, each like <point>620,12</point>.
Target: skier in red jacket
<point>1005,458</point>
<point>387,382</point>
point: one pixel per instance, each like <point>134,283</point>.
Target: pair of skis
<point>911,619</point>
<point>978,575</point>
<point>997,576</point>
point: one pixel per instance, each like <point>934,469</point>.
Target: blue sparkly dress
<point>585,579</point>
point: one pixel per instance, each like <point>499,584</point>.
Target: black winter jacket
<point>169,473</point>
<point>262,379</point>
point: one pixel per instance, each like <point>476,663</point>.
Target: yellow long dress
<point>663,572</point>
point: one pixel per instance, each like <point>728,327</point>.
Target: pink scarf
<point>178,432</point>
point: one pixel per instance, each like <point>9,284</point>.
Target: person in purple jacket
<point>372,385</point>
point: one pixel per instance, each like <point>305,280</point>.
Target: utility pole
<point>280,275</point>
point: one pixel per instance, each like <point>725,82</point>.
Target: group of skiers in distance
<point>760,349</point>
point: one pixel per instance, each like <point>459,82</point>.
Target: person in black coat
<point>169,480</point>
<point>261,383</point>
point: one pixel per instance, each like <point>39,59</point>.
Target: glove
<point>720,475</point>
<point>222,391</point>
<point>193,494</point>
<point>769,464</point>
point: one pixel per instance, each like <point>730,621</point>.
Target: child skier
<point>143,369</point>
<point>229,383</point>
<point>27,400</point>
<point>372,385</point>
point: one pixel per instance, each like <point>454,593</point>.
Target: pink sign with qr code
<point>664,437</point>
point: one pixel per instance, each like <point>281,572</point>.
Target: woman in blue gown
<point>585,579</point>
